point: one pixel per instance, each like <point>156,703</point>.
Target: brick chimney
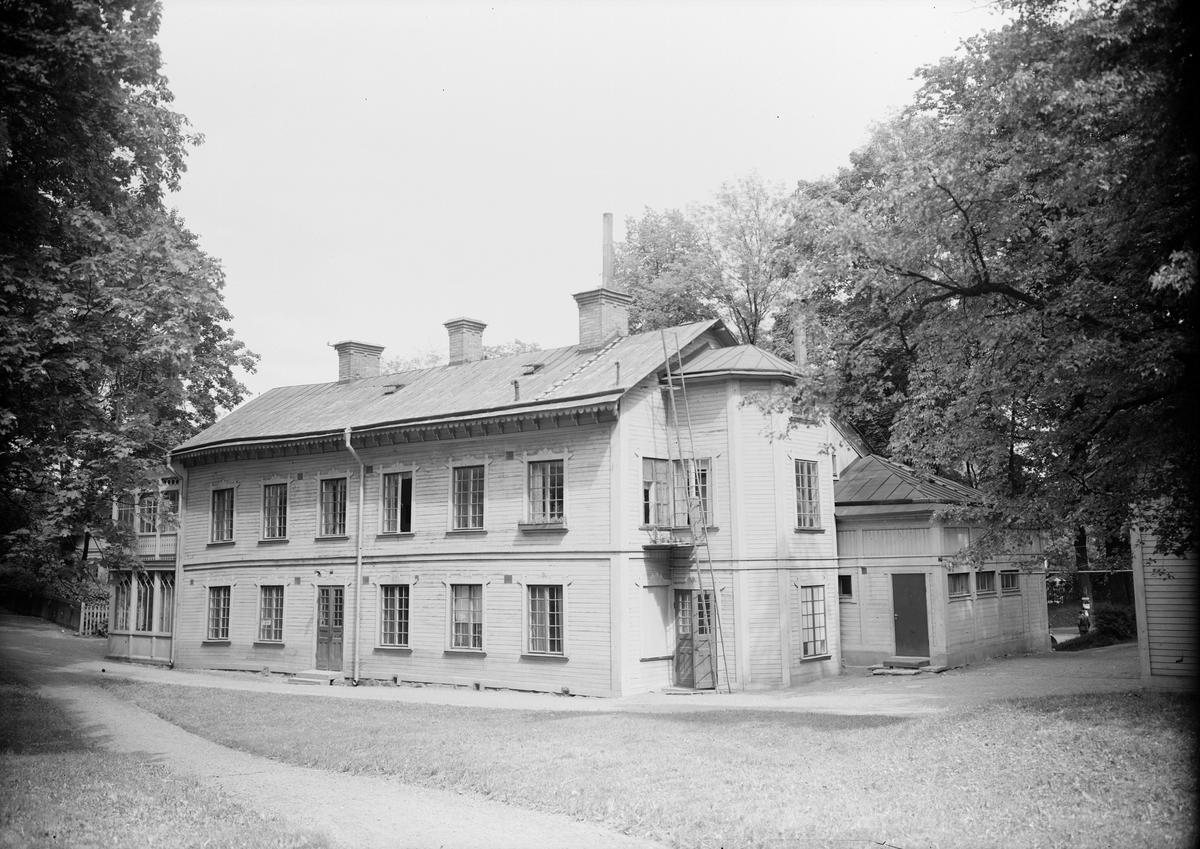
<point>357,360</point>
<point>603,312</point>
<point>466,340</point>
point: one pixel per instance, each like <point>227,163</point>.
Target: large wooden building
<point>525,522</point>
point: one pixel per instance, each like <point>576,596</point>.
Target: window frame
<point>679,486</point>
<point>400,475</point>
<point>217,627</point>
<point>455,469</point>
<point>277,613</point>
<point>282,523</point>
<point>334,478</point>
<point>965,592</point>
<point>217,493</point>
<point>548,625</point>
<point>819,620</point>
<point>532,517</point>
<point>990,580</point>
<point>849,580</point>
<point>1015,576</point>
<point>452,612</point>
<point>657,495</point>
<point>381,642</point>
<point>807,519</point>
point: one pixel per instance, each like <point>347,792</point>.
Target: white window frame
<point>450,614</point>
<point>451,512</point>
<point>263,637</point>
<point>657,495</point>
<point>528,611</point>
<point>408,594</point>
<point>399,472</point>
<point>819,627</point>
<point>287,508</point>
<point>345,476</point>
<point>531,516</point>
<point>813,515</point>
<point>216,488</point>
<point>221,632</point>
<point>679,488</point>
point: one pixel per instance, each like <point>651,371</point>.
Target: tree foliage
<point>113,342</point>
<point>719,260</point>
<point>1008,267</point>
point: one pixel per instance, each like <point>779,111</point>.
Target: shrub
<point>1117,621</point>
<point>1090,640</point>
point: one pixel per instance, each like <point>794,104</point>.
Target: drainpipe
<point>181,472</point>
<point>358,549</point>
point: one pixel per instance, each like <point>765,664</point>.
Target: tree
<point>113,342</point>
<point>720,260</point>
<point>1022,239</point>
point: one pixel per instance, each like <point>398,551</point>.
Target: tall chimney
<point>603,312</point>
<point>466,340</point>
<point>357,360</point>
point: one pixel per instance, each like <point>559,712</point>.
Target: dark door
<point>329,628</point>
<point>912,615</point>
<point>693,640</point>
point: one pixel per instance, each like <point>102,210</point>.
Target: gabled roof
<point>570,379</point>
<point>737,361</point>
<point>872,485</point>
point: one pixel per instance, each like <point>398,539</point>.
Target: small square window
<point>1010,582</point>
<point>845,586</point>
<point>960,584</point>
<point>985,582</point>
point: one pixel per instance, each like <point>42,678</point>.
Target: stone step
<point>906,662</point>
<point>317,676</point>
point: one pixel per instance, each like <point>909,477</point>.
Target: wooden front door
<point>693,640</point>
<point>330,610</point>
<point>912,615</point>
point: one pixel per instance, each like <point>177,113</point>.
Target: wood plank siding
<point>1167,596</point>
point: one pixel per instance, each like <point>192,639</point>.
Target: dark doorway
<point>912,615</point>
<point>330,605</point>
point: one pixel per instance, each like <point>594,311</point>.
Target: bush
<point>1117,621</point>
<point>1090,640</point>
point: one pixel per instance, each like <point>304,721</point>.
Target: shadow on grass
<point>1148,710</point>
<point>810,721</point>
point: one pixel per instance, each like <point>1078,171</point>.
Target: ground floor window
<point>218,613</point>
<point>845,587</point>
<point>985,582</point>
<point>466,614</point>
<point>813,637</point>
<point>121,593</point>
<point>393,615</point>
<point>546,619</point>
<point>959,584</point>
<point>270,625</point>
<point>1010,582</point>
<point>166,607</point>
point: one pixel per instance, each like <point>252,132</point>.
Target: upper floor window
<point>959,583</point>
<point>275,509</point>
<point>546,491</point>
<point>985,582</point>
<point>467,497</point>
<point>222,515</point>
<point>1010,582</point>
<point>656,492</point>
<point>691,491</point>
<point>396,513</point>
<point>808,502</point>
<point>156,512</point>
<point>333,507</point>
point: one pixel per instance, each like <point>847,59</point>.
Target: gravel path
<point>358,811</point>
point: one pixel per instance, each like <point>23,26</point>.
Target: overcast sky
<point>373,169</point>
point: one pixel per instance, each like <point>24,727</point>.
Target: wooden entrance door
<point>330,618</point>
<point>912,615</point>
<point>693,640</point>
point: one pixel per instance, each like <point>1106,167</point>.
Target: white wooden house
<point>518,522</point>
<point>902,597</point>
<point>1166,597</point>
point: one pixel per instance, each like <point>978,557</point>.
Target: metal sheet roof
<point>476,390</point>
<point>872,485</point>
<point>738,360</point>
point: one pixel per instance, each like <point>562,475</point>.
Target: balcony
<point>156,546</point>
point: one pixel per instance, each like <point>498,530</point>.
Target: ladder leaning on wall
<point>709,614</point>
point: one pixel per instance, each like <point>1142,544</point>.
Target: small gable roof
<point>568,380</point>
<point>736,361</point>
<point>873,485</point>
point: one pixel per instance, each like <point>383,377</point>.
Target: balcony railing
<point>156,546</point>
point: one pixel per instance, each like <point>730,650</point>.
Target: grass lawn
<point>57,789</point>
<point>1100,770</point>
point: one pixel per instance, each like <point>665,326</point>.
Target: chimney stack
<point>357,360</point>
<point>603,312</point>
<point>466,340</point>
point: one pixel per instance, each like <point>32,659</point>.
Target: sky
<point>371,170</point>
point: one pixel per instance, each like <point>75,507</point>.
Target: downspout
<point>358,552</point>
<point>181,472</point>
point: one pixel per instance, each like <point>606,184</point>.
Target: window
<point>845,586</point>
<point>166,583</point>
<point>270,620</point>
<point>691,487</point>
<point>468,498</point>
<point>808,504</point>
<point>466,615</point>
<point>393,615</point>
<point>833,463</point>
<point>222,515</point>
<point>144,612</point>
<point>121,593</point>
<point>813,638</point>
<point>168,511</point>
<point>397,503</point>
<point>147,514</point>
<point>546,619</point>
<point>546,491</point>
<point>1010,582</point>
<point>218,613</point>
<point>125,513</point>
<point>656,622</point>
<point>333,507</point>
<point>275,508</point>
<point>985,582</point>
<point>656,493</point>
<point>959,584</point>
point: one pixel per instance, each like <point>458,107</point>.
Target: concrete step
<point>317,676</point>
<point>900,662</point>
